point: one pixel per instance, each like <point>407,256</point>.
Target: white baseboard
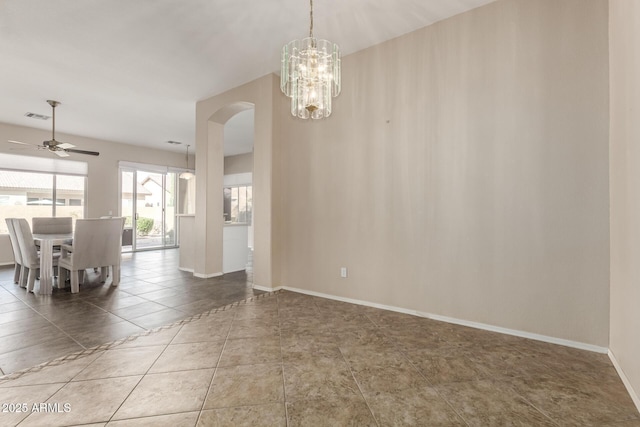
<point>349,300</point>
<point>517,333</point>
<point>476,325</point>
<point>634,396</point>
<point>188,270</point>
<point>207,276</point>
<point>266,288</point>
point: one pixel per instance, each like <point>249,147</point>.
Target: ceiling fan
<point>61,149</point>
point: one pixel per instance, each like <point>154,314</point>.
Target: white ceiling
<point>132,71</point>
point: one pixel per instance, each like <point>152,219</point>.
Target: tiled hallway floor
<point>152,292</point>
<point>290,359</point>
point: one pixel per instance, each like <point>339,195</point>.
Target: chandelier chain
<point>311,19</point>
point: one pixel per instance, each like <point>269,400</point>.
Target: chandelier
<point>310,75</point>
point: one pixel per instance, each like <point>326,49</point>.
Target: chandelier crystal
<point>310,75</point>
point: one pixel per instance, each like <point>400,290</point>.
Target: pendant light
<point>187,174</point>
<point>310,75</point>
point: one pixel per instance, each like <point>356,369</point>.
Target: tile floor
<point>287,359</point>
<point>152,292</point>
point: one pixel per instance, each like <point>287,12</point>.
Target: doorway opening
<point>237,251</point>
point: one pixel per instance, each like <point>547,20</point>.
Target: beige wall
<point>241,163</point>
<point>463,173</point>
<point>103,193</point>
<point>624,31</point>
<point>6,253</point>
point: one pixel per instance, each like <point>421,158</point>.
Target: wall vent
<point>174,142</point>
<point>37,116</point>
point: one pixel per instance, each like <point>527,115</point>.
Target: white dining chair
<point>52,225</point>
<point>17,256</point>
<point>97,243</point>
<point>29,253</point>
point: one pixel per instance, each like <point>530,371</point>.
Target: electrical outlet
<point>343,272</point>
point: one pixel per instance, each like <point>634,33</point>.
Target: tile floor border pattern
<point>153,292</point>
<point>106,346</point>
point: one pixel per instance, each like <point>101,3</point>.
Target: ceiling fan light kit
<point>61,149</point>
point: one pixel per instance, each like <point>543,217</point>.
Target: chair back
<point>17,256</point>
<point>52,225</point>
<point>25,243</point>
<point>97,242</point>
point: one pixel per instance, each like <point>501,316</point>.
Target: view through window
<point>238,203</point>
<point>151,198</point>
<point>31,194</point>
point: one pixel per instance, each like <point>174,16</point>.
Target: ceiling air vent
<point>174,142</point>
<point>37,116</point>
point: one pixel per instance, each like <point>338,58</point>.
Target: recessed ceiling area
<point>132,71</point>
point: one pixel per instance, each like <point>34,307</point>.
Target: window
<point>238,204</point>
<point>32,194</point>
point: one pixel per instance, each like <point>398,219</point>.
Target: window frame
<point>249,215</point>
<point>54,188</point>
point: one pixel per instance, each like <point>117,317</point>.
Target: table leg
<point>46,268</point>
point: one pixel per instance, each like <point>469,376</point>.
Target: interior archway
<point>210,214</point>
<point>237,236</point>
<point>211,116</point>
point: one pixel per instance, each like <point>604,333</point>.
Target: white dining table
<point>47,242</point>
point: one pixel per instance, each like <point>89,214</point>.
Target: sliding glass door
<point>148,205</point>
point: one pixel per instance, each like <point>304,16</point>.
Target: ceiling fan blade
<point>19,142</point>
<point>91,153</point>
<point>25,145</point>
<point>64,145</point>
<point>60,153</point>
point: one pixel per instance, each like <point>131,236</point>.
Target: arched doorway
<point>211,116</point>
<point>237,236</point>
